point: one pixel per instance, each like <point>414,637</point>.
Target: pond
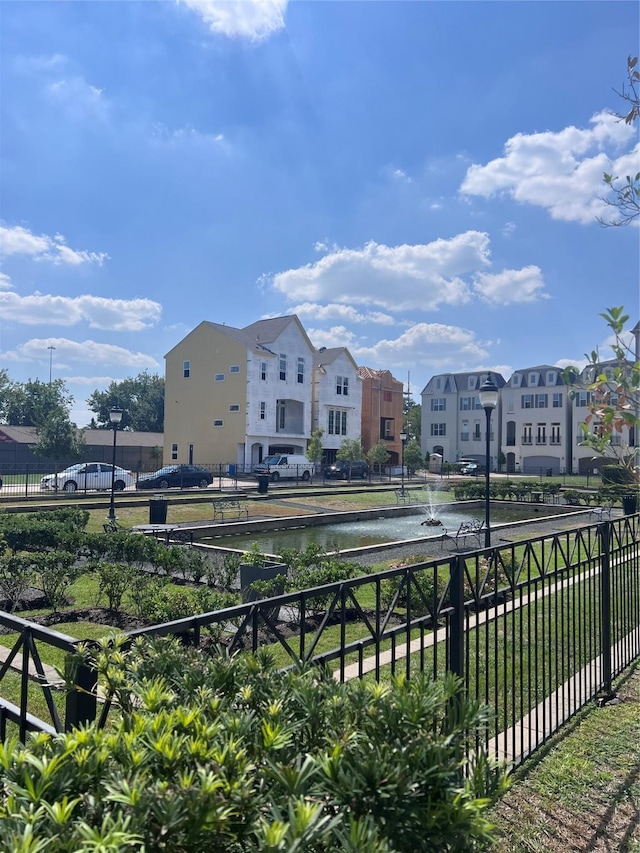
<point>341,536</point>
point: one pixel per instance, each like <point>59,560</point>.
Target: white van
<point>285,466</point>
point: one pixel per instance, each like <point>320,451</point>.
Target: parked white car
<point>88,475</point>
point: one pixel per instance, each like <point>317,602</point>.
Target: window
<point>557,400</point>
<point>386,429</point>
<point>542,401</point>
<point>476,431</point>
<point>263,411</point>
<point>438,404</point>
<point>465,404</point>
<point>438,383</point>
<point>234,368</point>
<point>218,422</point>
<point>471,384</point>
<point>533,380</point>
<point>476,403</point>
<point>387,396</point>
<point>219,377</point>
<point>526,401</point>
<point>283,367</point>
<point>263,370</point>
<point>337,422</point>
<point>186,369</point>
<point>438,429</point>
<point>555,434</point>
<point>551,377</point>
<point>281,412</point>
<point>174,451</point>
<point>582,399</point>
<point>526,433</point>
<point>515,380</point>
<point>300,374</point>
<point>234,407</point>
<point>342,385</point>
<point>541,434</point>
<point>510,404</point>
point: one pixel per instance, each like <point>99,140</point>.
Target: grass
<point>582,791</point>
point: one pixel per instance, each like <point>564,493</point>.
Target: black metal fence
<point>536,629</point>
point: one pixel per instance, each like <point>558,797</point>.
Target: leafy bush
<point>115,579</point>
<point>617,475</point>
<point>16,576</point>
<point>55,573</point>
<point>225,755</point>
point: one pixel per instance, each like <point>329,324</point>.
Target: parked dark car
<point>347,470</point>
<point>176,476</point>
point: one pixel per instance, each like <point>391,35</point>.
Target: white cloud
<point>5,282</point>
<point>254,20</point>
<point>336,336</point>
<point>78,98</point>
<point>20,241</point>
<point>81,352</point>
<point>559,171</point>
<point>347,313</point>
<point>396,278</point>
<point>511,286</point>
<point>435,345</point>
<point>118,315</point>
<point>187,135</point>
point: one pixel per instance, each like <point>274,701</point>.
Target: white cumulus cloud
<point>254,20</point>
<point>17,240</point>
<point>511,286</point>
<point>395,278</point>
<point>347,313</point>
<point>80,352</point>
<point>118,315</point>
<point>559,171</point>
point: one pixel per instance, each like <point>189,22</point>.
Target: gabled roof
<point>541,370</point>
<point>327,355</point>
<point>257,336</point>
<point>369,373</point>
<point>455,383</point>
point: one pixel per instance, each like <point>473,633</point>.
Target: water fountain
<point>432,519</point>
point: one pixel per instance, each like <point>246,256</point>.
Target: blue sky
<point>418,181</point>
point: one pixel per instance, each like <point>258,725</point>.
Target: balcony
<point>555,439</point>
<point>526,439</point>
<point>541,440</point>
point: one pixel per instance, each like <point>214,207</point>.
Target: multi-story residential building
<point>453,421</point>
<point>337,399</point>
<point>237,395</point>
<point>382,411</point>
<point>536,421</point>
<point>584,460</point>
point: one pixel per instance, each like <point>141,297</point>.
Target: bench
<point>601,512</point>
<point>474,528</point>
<point>225,507</point>
<point>402,496</point>
<point>111,526</point>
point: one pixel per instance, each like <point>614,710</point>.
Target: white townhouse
<point>237,395</point>
<point>536,422</point>
<point>337,399</point>
<point>453,423</point>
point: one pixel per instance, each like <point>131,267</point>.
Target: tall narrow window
<point>186,369</point>
<point>263,370</point>
<point>281,411</point>
<point>300,372</point>
<point>526,433</point>
<point>263,411</point>
<point>174,451</point>
<point>541,437</point>
<point>283,367</point>
<point>555,433</point>
<point>557,400</point>
<point>330,422</point>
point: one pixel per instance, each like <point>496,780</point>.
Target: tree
<point>378,456</point>
<point>413,456</point>
<point>614,395</point>
<point>412,419</point>
<point>141,400</point>
<point>58,438</point>
<point>314,448</point>
<point>31,403</point>
<point>624,195</point>
<point>350,448</point>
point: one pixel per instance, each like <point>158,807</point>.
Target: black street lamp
<point>115,416</point>
<point>488,400</point>
<point>403,439</point>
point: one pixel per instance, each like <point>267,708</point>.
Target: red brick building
<point>382,418</point>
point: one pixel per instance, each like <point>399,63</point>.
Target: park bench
<point>472,528</point>
<point>229,507</point>
<point>111,526</point>
<point>403,496</point>
<point>601,512</point>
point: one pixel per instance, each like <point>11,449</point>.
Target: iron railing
<point>535,629</point>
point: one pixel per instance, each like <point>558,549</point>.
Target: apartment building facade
<point>337,399</point>
<point>382,411</point>
<point>453,423</point>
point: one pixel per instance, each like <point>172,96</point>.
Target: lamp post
<point>488,400</point>
<point>115,416</point>
<point>51,349</point>
<point>403,439</point>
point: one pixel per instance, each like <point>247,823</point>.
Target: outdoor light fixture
<point>403,439</point>
<point>488,400</point>
<point>115,416</point>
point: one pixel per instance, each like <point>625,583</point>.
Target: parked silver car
<point>88,475</point>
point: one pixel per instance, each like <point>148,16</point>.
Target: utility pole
<point>51,349</point>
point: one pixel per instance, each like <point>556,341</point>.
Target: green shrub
<point>617,475</point>
<point>17,574</point>
<point>115,579</point>
<point>219,754</point>
<point>55,573</point>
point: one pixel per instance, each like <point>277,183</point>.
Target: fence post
<point>605,608</point>
<point>456,641</point>
<point>81,703</point>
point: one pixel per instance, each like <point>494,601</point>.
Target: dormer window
<point>551,377</point>
<point>515,380</point>
<point>472,382</point>
<point>533,380</point>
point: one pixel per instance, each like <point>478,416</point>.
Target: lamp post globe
<point>488,393</point>
<point>403,439</point>
<point>115,416</point>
